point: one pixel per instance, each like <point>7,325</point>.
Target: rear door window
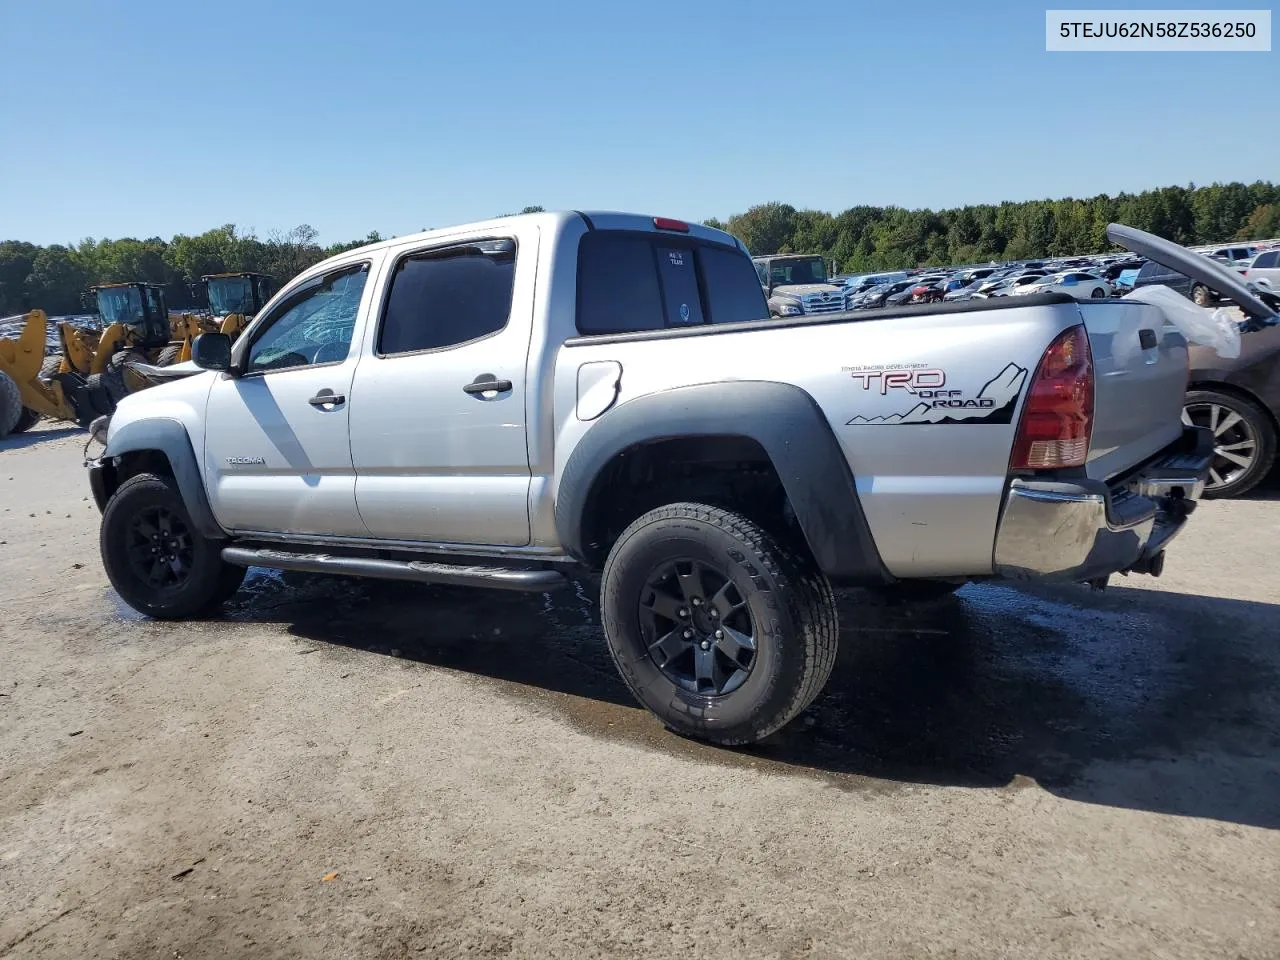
<point>443,298</point>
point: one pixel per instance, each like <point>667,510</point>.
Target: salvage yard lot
<point>377,770</point>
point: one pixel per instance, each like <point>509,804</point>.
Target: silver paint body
<point>410,459</point>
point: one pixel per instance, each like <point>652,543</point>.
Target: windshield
<point>121,305</point>
<point>812,270</point>
<point>230,295</point>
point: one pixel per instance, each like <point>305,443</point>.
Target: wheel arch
<point>153,445</point>
<point>780,421</point>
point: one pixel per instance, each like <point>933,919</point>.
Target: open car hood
<point>1216,277</point>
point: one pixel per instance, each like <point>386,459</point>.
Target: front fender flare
<point>169,436</point>
<point>783,419</point>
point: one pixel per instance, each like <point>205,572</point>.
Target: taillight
<point>1057,418</point>
<point>666,223</point>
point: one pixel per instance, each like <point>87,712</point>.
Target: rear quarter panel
<point>931,478</point>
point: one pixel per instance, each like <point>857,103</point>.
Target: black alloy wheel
<point>699,630</point>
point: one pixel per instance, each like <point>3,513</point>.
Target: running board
<point>501,578</point>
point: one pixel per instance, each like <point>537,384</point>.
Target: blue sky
<point>147,118</point>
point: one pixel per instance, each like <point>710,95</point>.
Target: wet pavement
<point>996,687</point>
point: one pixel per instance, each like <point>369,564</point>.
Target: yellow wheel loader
<point>93,370</point>
<point>234,300</point>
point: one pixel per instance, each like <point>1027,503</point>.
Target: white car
<point>1075,283</point>
<point>1264,270</point>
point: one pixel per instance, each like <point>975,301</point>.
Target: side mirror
<point>212,351</point>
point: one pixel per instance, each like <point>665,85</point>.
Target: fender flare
<point>169,436</point>
<point>783,419</point>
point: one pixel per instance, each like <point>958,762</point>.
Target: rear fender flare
<point>783,419</point>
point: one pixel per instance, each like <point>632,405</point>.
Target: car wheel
<point>716,628</point>
<point>156,559</point>
<point>26,420</point>
<point>1201,296</point>
<point>1244,440</point>
<point>1098,294</point>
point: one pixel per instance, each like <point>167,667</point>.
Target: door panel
<point>434,460</point>
<point>277,446</point>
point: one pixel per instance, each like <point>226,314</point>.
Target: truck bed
<point>931,478</point>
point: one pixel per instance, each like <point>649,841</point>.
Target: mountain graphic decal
<point>996,402</point>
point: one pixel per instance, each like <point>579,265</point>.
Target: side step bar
<point>501,578</point>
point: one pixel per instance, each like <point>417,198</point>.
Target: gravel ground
<point>374,770</point>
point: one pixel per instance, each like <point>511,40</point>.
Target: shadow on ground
<point>1131,698</point>
<point>41,433</point>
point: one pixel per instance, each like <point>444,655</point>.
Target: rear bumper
<point>1083,529</point>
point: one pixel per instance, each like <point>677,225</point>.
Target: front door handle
<point>485,383</point>
<point>326,398</point>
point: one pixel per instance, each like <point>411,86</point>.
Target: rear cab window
<point>634,281</point>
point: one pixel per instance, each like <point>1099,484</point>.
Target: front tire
<point>156,559</point>
<point>716,628</point>
<point>1244,440</point>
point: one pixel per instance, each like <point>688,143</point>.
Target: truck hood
<point>1213,275</point>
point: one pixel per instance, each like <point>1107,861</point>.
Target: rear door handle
<point>485,383</point>
<point>327,398</point>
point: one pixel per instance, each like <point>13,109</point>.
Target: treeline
<point>54,278</point>
<point>860,239</point>
<point>865,238</point>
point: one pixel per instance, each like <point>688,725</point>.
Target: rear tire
<point>1098,294</point>
<point>114,377</point>
<point>98,395</point>
<point>716,628</point>
<point>156,559</point>
<point>10,404</point>
<point>1244,430</point>
<point>26,420</point>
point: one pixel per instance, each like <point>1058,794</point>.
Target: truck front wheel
<point>157,560</point>
<point>716,628</point>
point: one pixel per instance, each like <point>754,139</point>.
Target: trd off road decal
<point>934,400</point>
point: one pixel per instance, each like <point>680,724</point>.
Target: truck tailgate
<point>1140,376</point>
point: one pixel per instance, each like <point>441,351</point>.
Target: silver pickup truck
<point>507,403</point>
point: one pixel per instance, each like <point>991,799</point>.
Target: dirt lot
<point>372,770</point>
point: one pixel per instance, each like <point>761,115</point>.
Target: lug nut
<point>688,634</point>
<point>684,612</point>
<point>697,601</point>
<point>719,634</point>
<point>706,644</point>
<point>715,614</point>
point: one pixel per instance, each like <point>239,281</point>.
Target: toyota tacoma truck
<point>511,403</point>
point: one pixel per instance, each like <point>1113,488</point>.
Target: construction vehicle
<point>234,299</point>
<point>93,370</point>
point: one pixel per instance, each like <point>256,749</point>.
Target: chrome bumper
<point>1084,529</point>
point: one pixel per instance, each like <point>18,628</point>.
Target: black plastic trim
<point>851,316</point>
<point>783,419</point>
<point>585,219</point>
<point>169,437</point>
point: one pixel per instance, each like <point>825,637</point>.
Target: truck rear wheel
<point>715,627</point>
<point>10,404</point>
<point>156,559</point>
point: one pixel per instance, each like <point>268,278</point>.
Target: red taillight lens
<point>666,223</point>
<point>1057,419</point>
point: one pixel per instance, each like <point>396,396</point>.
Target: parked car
<point>1238,400</point>
<point>1264,270</point>
<point>1194,290</point>
<point>1074,283</point>
<point>1231,254</point>
<point>1014,284</point>
<point>878,296</point>
<point>501,404</point>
